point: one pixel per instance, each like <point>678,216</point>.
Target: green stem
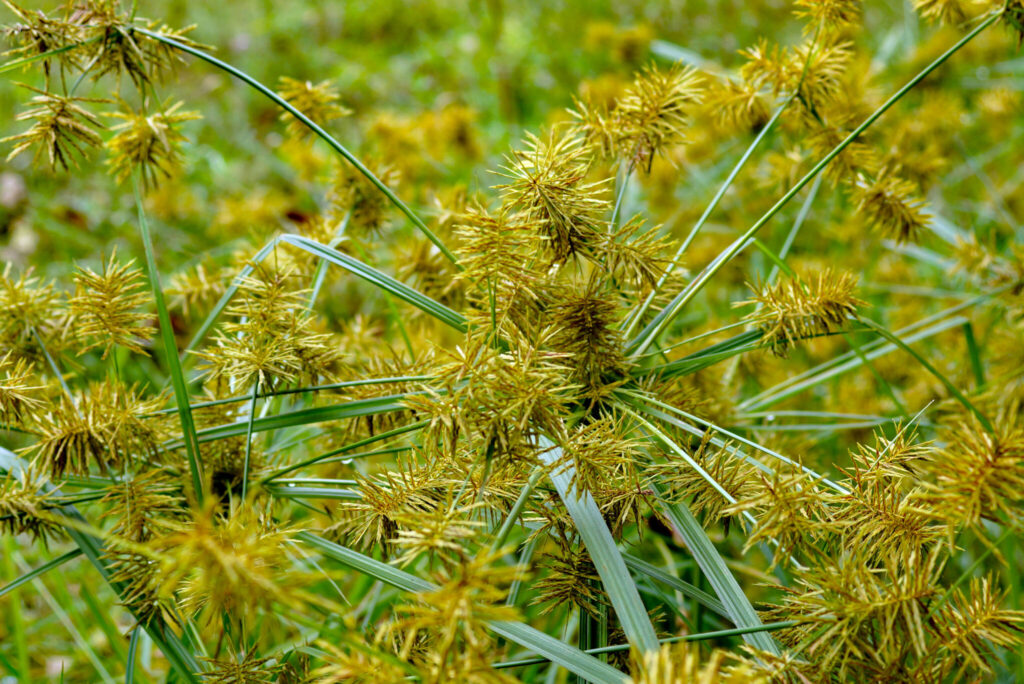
<point>248,438</point>
<point>517,507</point>
<point>649,334</point>
<point>188,428</point>
<point>311,125</point>
<point>635,317</point>
<point>25,61</point>
<point>705,636</point>
<point>957,394</point>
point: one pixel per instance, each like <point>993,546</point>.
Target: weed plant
<point>716,378</point>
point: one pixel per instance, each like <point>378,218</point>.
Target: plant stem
<point>311,125</point>
<point>635,317</point>
<point>248,438</point>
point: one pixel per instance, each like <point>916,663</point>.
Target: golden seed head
<point>796,309</point>
<point>149,144</point>
<point>318,101</point>
<point>105,307</point>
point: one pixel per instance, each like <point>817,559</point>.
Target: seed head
<point>549,188</point>
<point>792,309</point>
<point>232,564</point>
<point>828,15</point>
<point>889,206</point>
<point>318,101</point>
<point>945,11</point>
<point>105,306</point>
<point>148,143</point>
<point>19,395</point>
<point>62,127</point>
<point>25,507</point>
<point>652,114</point>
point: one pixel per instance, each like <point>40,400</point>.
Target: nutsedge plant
<point>716,378</point>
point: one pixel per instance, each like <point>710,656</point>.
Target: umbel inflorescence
<point>581,419</point>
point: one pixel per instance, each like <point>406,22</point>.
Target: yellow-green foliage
<point>716,371</point>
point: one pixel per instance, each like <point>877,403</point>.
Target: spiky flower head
<point>400,493</point>
<point>789,511</point>
<point>355,198</point>
<point>549,186</point>
<point>61,127</point>
<point>635,254</point>
<point>345,664</point>
<point>243,668</point>
<point>20,397</point>
<point>585,320</point>
<point>570,580</point>
<point>38,34</point>
<point>121,50</point>
<point>149,144</point>
<point>977,475</point>
<point>106,426</point>
<point>318,101</point>
<point>726,467</point>
<point>229,563</point>
<point>973,625</point>
<point>681,662</point>
<point>736,106</point>
<point>828,15</point>
<point>507,400</point>
<point>198,287</point>
<point>272,338</point>
<point>889,205</point>
<point>444,532</point>
<point>105,307</point>
<point>26,507</point>
<point>144,506</point>
<point>652,114</point>
<point>946,11</point>
<point>456,614</point>
<point>862,620</point>
<point>795,309</point>
<point>812,71</point>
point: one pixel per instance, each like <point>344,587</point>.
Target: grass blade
<point>552,649</point>
<point>309,123</point>
<point>384,282</point>
<point>957,394</point>
<point>604,552</point>
<point>684,588</point>
<point>308,416</point>
<point>181,398</point>
<point>703,636</point>
<point>736,603</point>
<point>41,570</point>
